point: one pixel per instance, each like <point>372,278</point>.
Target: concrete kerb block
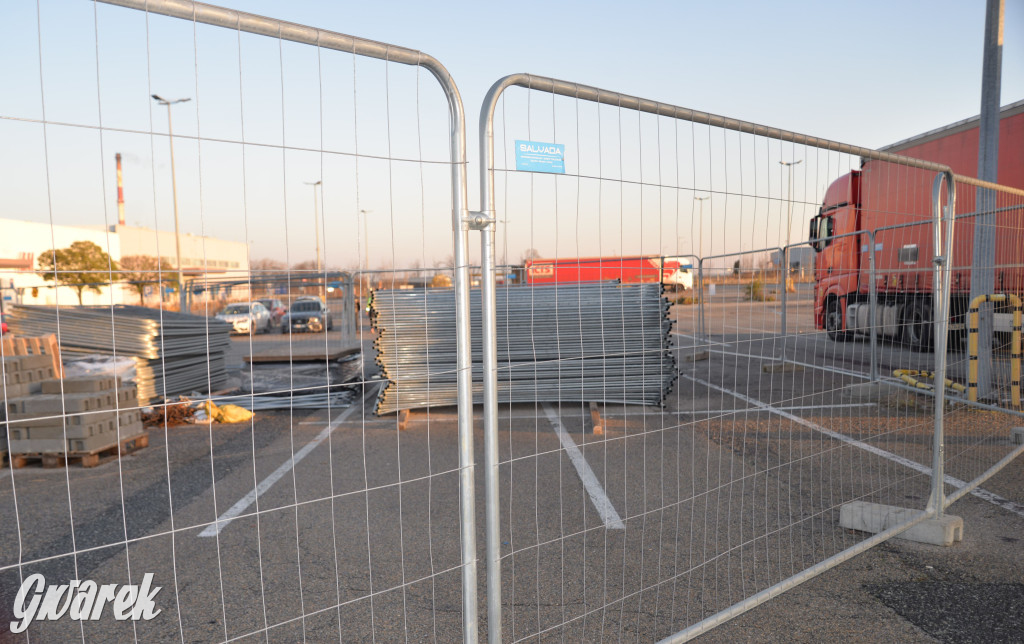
<point>875,518</point>
<point>1017,435</point>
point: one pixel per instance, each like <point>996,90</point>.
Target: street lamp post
<point>700,226</point>
<point>366,245</point>
<point>174,193</point>
<point>316,227</point>
<point>700,265</point>
<point>785,254</point>
<point>316,220</point>
<point>789,198</point>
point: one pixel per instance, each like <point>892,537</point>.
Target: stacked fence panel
<point>598,341</point>
<point>173,353</point>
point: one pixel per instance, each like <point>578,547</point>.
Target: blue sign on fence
<point>533,156</point>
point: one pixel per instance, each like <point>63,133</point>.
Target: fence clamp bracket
<point>478,221</point>
<point>939,260</point>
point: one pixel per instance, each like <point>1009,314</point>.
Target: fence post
<point>873,306</point>
<point>783,284</point>
<point>941,278</point>
<point>490,365</point>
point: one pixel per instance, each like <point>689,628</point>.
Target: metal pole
<point>873,306</point>
<point>366,247</point>
<point>785,251</point>
<point>488,305</point>
<point>316,220</point>
<point>789,198</point>
<point>490,371</point>
<point>700,290</point>
<point>783,282</point>
<point>700,262</point>
<point>464,365</point>
<point>316,227</point>
<point>182,299</point>
<point>941,282</point>
<point>700,225</point>
<point>984,250</point>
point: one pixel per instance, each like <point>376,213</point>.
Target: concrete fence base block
<point>1017,435</point>
<point>875,518</point>
<point>781,367</point>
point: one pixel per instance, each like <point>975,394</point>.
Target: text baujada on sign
<point>82,600</point>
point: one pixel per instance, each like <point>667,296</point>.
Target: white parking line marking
<point>991,497</point>
<point>702,341</point>
<point>604,506</point>
<point>223,520</point>
<point>738,410</point>
<point>759,409</point>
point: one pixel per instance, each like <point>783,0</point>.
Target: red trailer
<point>629,270</point>
<point>896,204</point>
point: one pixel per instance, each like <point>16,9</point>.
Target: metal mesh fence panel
<point>222,262</point>
<point>985,352</point>
<point>801,407</point>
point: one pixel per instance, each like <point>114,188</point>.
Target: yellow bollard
<point>1015,345</point>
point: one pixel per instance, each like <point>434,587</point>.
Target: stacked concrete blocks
<point>80,418</point>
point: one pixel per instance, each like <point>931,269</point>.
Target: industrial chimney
<point>120,191</point>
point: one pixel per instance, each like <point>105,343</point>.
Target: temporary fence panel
<point>649,523</point>
<point>987,289</point>
<point>151,144</point>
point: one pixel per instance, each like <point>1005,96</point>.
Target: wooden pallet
<point>91,458</point>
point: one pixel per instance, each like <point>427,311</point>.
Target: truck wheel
<point>834,321</point>
<point>917,324</point>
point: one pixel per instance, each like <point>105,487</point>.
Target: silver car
<point>246,318</point>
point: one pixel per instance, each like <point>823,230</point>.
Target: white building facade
<point>22,242</point>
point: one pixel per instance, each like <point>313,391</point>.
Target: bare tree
<point>266,265</point>
<point>141,271</point>
<point>529,254</point>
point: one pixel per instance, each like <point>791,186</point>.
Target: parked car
<point>247,318</point>
<point>276,307</point>
<point>308,314</point>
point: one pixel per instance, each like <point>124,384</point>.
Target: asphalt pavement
<point>734,486</point>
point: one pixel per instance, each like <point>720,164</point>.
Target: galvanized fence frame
<point>238,21</point>
<point>942,217</point>
<point>990,200</point>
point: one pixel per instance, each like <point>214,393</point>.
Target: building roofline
<point>953,128</point>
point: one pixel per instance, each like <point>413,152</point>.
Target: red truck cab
<point>836,264</point>
<point>885,210</point>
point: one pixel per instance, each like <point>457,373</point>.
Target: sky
<point>376,134</point>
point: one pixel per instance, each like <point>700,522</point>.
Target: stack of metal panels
<point>597,341</point>
<point>174,353</point>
